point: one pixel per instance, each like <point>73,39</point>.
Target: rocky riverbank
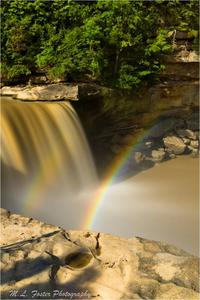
<point>169,137</point>
<point>41,261</point>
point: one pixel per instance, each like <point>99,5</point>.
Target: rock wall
<point>124,117</point>
<point>46,262</point>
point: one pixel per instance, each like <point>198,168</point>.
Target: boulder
<point>194,151</point>
<point>66,264</point>
<point>190,148</point>
<point>187,133</point>
<point>174,144</point>
<point>158,155</point>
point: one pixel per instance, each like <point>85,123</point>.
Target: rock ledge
<point>46,262</point>
<point>49,92</point>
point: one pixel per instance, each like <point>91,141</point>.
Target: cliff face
<point>120,116</point>
<point>180,80</point>
<point>46,262</point>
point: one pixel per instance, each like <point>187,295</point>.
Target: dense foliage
<point>118,43</point>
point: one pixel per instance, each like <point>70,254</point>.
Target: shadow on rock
<point>74,288</point>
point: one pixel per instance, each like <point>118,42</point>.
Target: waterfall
<point>47,167</point>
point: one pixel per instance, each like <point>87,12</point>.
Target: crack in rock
<point>15,246</point>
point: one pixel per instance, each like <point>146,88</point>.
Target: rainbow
<point>110,177</point>
<point>37,186</point>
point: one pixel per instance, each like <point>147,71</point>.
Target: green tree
<point>117,43</point>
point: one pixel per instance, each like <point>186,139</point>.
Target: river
<point>160,203</point>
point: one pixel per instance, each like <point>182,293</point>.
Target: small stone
<point>195,153</point>
<point>172,155</point>
<point>186,141</point>
<point>138,157</point>
<point>158,155</point>
<point>190,148</point>
<point>148,144</point>
<point>169,151</point>
<point>194,144</point>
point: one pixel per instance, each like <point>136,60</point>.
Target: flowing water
<point>48,173</point>
<point>47,167</point>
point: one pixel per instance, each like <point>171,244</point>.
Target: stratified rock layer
<point>45,262</point>
<point>49,92</point>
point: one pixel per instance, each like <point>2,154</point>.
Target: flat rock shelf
<point>42,261</point>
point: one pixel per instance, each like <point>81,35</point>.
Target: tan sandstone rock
<point>57,264</point>
<point>48,92</point>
